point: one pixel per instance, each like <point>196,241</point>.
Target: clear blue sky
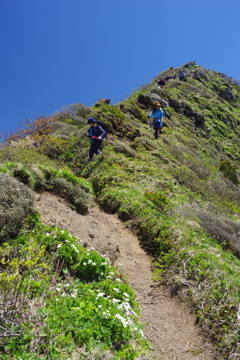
<point>58,52</point>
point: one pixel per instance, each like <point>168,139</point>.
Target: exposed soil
<point>169,324</point>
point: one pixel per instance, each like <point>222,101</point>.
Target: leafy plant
<point>49,313</point>
<point>229,171</point>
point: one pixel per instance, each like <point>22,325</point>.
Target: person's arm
<point>103,132</point>
<point>150,115</point>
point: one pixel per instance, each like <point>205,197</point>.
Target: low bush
<point>75,195</point>
<point>16,206</point>
<point>62,182</point>
<point>27,156</point>
<point>120,147</point>
<point>229,171</point>
<point>221,228</point>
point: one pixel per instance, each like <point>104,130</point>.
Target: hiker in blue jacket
<point>157,114</point>
<point>96,134</point>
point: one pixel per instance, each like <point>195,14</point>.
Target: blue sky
<point>58,52</point>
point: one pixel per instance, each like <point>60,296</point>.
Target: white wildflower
<point>74,247</point>
<point>100,295</point>
<point>106,313</point>
<point>121,318</point>
<point>115,300</point>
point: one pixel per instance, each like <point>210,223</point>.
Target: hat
<point>157,103</point>
<point>91,120</point>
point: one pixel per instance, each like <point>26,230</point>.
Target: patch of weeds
<point>26,156</point>
<point>69,176</point>
<point>66,314</point>
<point>208,275</point>
<point>158,198</point>
<point>92,267</point>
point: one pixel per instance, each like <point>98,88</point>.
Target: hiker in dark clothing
<point>181,76</point>
<point>157,114</point>
<point>96,134</point>
<point>161,82</point>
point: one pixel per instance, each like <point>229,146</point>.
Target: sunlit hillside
<point>179,194</point>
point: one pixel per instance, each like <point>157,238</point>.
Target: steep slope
<point>179,194</point>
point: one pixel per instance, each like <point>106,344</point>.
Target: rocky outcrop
<point>228,95</point>
<point>184,108</point>
<point>200,76</point>
<point>148,100</point>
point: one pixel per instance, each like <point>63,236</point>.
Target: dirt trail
<point>170,325</point>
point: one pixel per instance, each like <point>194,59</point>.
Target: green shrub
<point>92,267</point>
<point>24,155</point>
<point>75,195</point>
<point>158,198</point>
<point>229,171</point>
<point>142,143</point>
<point>16,205</point>
<point>120,147</point>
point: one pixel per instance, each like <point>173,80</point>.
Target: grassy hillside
<point>179,194</point>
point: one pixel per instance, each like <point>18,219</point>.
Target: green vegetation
<point>60,300</point>
<point>179,194</point>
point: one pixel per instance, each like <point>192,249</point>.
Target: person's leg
<point>91,151</point>
<point>97,147</point>
<point>94,149</point>
<point>156,133</point>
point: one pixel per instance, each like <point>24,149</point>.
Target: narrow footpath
<point>169,323</point>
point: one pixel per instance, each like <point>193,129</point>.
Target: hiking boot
<point>91,159</point>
